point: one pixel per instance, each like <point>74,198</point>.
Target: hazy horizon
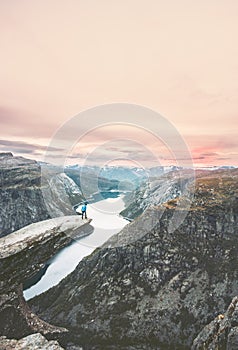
<point>122,165</point>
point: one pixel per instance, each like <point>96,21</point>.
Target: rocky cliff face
<point>158,190</point>
<point>60,194</point>
<point>23,200</point>
<point>20,195</point>
<point>23,253</point>
<point>158,290</point>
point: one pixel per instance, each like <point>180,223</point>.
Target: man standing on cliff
<point>83,210</point>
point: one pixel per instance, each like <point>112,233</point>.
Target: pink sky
<point>179,58</point>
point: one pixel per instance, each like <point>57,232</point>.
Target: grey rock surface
<point>31,342</point>
<point>22,254</point>
<point>20,195</point>
<point>24,251</point>
<point>59,191</point>
<point>158,190</point>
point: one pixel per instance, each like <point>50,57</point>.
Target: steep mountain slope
<point>23,200</point>
<point>157,190</point>
<point>151,288</point>
<point>60,193</point>
<point>20,194</point>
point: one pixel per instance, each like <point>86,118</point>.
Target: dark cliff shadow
<point>85,231</point>
<point>36,278</point>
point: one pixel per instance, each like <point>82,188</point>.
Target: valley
<point>160,281</point>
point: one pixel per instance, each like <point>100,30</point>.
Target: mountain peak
<point>6,154</point>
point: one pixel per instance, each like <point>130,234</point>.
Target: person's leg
<point>83,212</point>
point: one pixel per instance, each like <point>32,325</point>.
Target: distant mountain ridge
<point>93,178</point>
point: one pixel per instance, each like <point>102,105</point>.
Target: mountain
<point>117,177</point>
<point>60,192</point>
<point>150,287</point>
<point>169,185</point>
<point>218,167</point>
<point>21,200</point>
<point>159,170</point>
<point>128,178</point>
<point>90,181</point>
<point>26,196</point>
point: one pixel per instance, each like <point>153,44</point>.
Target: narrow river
<point>105,222</point>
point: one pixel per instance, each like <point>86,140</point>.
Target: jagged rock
<point>17,320</point>
<point>27,197</point>
<point>23,253</point>
<point>31,342</point>
<point>158,289</point>
<point>222,333</point>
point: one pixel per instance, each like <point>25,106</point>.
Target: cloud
<point>227,142</point>
<point>76,156</point>
<point>209,154</point>
<point>217,151</point>
<point>26,148</point>
<point>224,158</point>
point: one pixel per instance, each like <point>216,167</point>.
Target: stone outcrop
<point>157,290</point>
<point>23,253</point>
<point>26,197</point>
<point>31,342</point>
<point>221,333</point>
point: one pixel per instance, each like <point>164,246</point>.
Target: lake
<point>105,223</point>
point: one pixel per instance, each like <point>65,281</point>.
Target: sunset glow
<point>179,58</point>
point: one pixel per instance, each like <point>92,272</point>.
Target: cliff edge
<point>23,253</point>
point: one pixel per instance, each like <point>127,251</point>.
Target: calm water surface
<point>105,222</point>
